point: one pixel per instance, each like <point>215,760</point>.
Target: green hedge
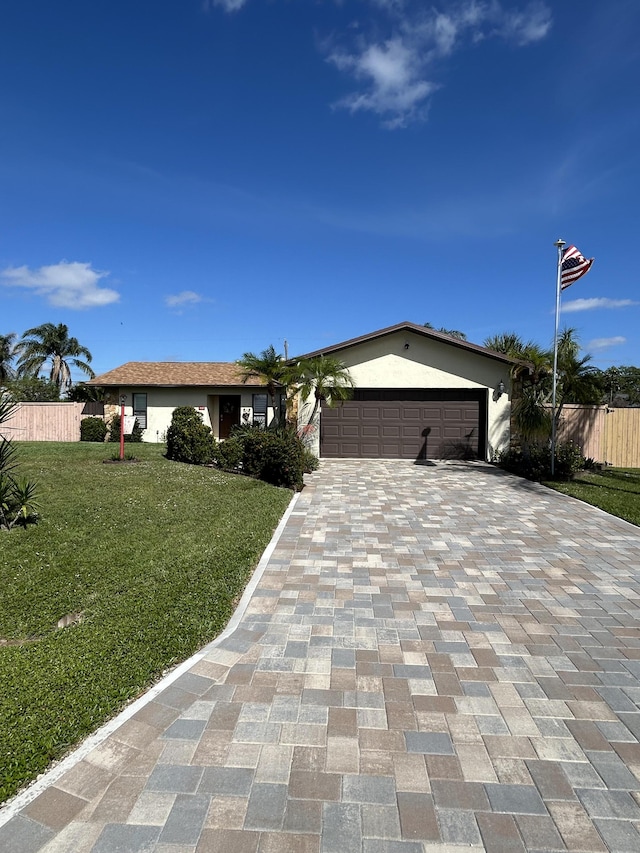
<point>93,429</point>
<point>534,462</point>
<point>188,438</point>
<point>114,431</point>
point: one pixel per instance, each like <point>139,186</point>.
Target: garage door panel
<point>410,431</point>
<point>370,431</point>
<point>405,424</point>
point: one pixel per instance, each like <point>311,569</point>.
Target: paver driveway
<point>435,657</point>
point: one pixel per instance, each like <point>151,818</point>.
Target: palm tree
<point>49,343</point>
<point>578,380</point>
<point>270,367</point>
<point>326,377</point>
<point>453,333</point>
<point>7,352</point>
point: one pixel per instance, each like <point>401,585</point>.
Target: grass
<point>145,560</point>
<point>615,490</point>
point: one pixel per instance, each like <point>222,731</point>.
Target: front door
<point>229,414</point>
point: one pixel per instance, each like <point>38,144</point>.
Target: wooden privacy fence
<point>605,434</point>
<point>49,421</point>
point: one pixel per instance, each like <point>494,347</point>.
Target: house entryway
<point>229,414</point>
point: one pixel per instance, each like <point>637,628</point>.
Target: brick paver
<point>436,657</point>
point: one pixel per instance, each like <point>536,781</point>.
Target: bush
<point>534,462</point>
<point>228,454</point>
<point>114,430</point>
<point>93,429</point>
<point>275,456</point>
<point>310,461</point>
<point>188,439</point>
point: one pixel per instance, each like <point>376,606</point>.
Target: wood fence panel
<point>49,421</point>
<point>584,425</point>
<point>621,445</point>
<point>606,435</point>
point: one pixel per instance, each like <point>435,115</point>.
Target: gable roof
<point>415,329</point>
<point>175,374</point>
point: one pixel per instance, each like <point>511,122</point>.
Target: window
<point>260,410</point>
<point>140,409</point>
<point>262,404</point>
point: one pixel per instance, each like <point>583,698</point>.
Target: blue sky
<point>192,179</point>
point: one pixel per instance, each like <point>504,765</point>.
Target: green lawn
<point>153,555</point>
<point>615,490</point>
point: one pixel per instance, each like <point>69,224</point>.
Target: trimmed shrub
<point>93,429</point>
<point>275,456</point>
<point>534,462</point>
<point>228,454</point>
<point>188,439</point>
<point>114,430</point>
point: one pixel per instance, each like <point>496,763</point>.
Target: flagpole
<point>559,244</point>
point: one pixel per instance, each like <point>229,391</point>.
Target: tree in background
<point>83,393</point>
<point>270,367</point>
<point>7,353</point>
<point>453,333</point>
<point>621,386</point>
<point>325,376</point>
<point>32,389</point>
<point>49,343</point>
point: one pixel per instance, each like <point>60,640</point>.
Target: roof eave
<point>408,327</point>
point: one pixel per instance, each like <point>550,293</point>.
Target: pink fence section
<point>49,421</point>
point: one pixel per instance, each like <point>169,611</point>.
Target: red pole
<point>121,428</point>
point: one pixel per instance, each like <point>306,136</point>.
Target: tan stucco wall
<point>385,363</point>
<point>162,401</point>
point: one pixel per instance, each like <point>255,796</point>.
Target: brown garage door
<point>406,424</point>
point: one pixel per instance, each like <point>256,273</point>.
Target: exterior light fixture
<point>406,346</point>
<point>500,390</point>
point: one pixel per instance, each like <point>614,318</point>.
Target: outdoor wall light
<point>406,346</point>
<point>500,390</point>
<point>123,399</point>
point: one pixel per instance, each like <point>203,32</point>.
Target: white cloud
<point>393,66</point>
<point>227,5</point>
<point>391,73</point>
<point>592,304</point>
<point>605,343</point>
<point>185,297</point>
<point>528,26</point>
<point>72,285</point>
<point>396,74</point>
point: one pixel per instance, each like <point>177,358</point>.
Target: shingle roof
<point>175,373</point>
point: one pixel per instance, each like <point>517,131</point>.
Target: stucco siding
<point>162,401</point>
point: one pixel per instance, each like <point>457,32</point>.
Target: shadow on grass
<point>604,481</point>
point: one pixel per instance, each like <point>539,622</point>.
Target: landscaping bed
<point>142,564</point>
<point>615,490</point>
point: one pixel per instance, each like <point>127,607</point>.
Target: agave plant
<point>18,496</point>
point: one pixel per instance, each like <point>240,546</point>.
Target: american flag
<point>574,265</point>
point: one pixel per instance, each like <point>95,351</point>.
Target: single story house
<point>419,394</point>
<point>151,390</point>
